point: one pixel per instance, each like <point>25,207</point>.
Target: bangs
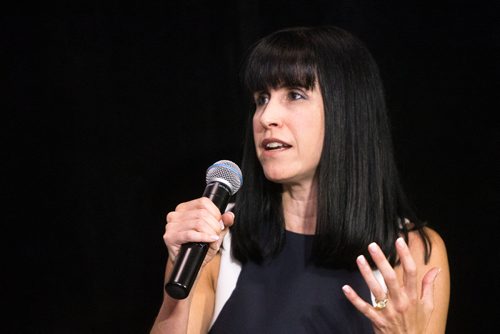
<point>280,61</point>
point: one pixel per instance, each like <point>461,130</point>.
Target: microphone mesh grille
<point>227,172</point>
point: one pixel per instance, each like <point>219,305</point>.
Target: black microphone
<point>223,180</point>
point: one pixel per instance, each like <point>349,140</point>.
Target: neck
<point>299,208</point>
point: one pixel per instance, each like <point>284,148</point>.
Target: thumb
<point>428,285</point>
<point>228,219</point>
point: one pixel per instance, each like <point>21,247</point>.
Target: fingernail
<point>361,259</point>
<point>372,247</point>
<point>222,227</point>
<point>346,288</point>
<point>214,237</point>
<point>401,242</point>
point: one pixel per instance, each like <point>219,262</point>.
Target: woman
<point>321,197</point>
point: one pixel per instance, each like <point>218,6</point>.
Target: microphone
<point>224,179</point>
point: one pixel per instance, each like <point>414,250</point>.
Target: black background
<point>115,111</point>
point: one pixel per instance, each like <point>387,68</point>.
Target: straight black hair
<point>360,198</point>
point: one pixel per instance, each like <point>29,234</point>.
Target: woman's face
<point>288,129</point>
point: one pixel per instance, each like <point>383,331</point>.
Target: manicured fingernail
<point>346,289</point>
<point>361,259</point>
<point>222,227</point>
<point>214,237</point>
<point>401,242</point>
<point>372,247</point>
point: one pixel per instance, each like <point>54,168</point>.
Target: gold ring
<point>381,304</point>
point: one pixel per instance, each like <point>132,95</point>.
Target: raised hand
<point>403,307</point>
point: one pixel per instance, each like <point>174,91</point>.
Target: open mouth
<point>271,145</point>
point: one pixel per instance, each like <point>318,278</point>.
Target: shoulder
<point>438,255</point>
<point>438,259</point>
<point>418,245</point>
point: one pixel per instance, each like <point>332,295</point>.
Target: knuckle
<point>190,235</point>
<point>203,215</point>
<point>412,270</point>
<point>208,220</point>
<point>403,304</point>
<point>170,216</point>
<point>168,237</point>
<point>180,206</point>
<point>385,325</point>
<point>365,308</point>
<point>199,225</point>
<point>209,206</point>
<point>206,202</point>
<point>402,307</point>
<point>413,300</point>
<point>391,277</point>
<point>169,229</point>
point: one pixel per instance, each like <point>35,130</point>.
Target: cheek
<point>317,137</point>
<point>256,129</point>
<point>322,132</point>
<point>256,126</point>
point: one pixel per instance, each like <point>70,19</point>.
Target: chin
<point>273,178</point>
<point>276,176</point>
<point>281,176</point>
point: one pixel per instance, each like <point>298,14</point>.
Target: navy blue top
<point>289,294</point>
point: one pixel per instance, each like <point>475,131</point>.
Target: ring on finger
<point>381,304</point>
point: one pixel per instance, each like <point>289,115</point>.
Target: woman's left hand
<point>404,308</point>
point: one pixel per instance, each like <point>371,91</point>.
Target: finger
<point>198,219</point>
<point>174,245</point>
<point>193,231</point>
<point>212,229</point>
<point>199,203</point>
<point>385,268</point>
<point>206,219</point>
<point>428,286</point>
<point>228,219</point>
<point>409,268</point>
<point>366,309</point>
<point>195,236</point>
<point>370,279</point>
<point>217,244</point>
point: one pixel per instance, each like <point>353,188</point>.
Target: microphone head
<point>226,172</point>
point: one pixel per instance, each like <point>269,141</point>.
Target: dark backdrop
<point>114,112</point>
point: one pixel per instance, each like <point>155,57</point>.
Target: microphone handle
<point>192,254</point>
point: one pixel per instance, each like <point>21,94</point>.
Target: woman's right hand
<point>198,220</point>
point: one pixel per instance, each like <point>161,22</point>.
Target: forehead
<point>275,66</point>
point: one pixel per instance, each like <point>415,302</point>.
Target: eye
<point>296,95</point>
<point>261,99</point>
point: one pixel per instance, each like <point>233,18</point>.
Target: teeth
<point>274,145</point>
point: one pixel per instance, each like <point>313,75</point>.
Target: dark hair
<point>360,199</point>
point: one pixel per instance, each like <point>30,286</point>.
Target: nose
<point>271,114</point>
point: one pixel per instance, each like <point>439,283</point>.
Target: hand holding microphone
<point>194,228</point>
